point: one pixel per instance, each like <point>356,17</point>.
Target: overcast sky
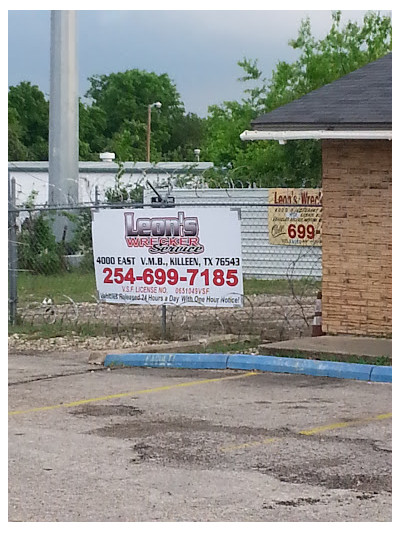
<point>199,50</point>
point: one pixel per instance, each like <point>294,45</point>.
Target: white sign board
<point>175,256</point>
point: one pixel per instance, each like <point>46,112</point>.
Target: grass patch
<point>60,329</point>
<point>381,361</point>
<point>81,287</point>
<point>234,347</point>
<point>280,286</point>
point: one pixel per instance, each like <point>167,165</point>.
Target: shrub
<point>38,250</point>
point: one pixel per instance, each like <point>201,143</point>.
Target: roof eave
<point>290,135</point>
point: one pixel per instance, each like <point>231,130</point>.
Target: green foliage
<point>29,120</point>
<point>38,251</point>
<point>82,237</point>
<point>114,115</point>
<point>269,164</point>
<point>17,151</point>
<point>122,192</point>
<point>224,125</point>
<point>187,133</point>
<point>298,163</point>
<point>62,328</point>
<point>114,118</point>
<point>91,127</point>
<point>81,242</point>
<point>123,98</point>
<point>78,284</point>
<point>247,345</point>
<point>341,51</point>
<point>253,74</point>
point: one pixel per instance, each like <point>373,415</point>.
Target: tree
<point>113,119</point>
<point>298,163</point>
<point>123,99</point>
<point>29,113</point>
<point>186,135</point>
<point>17,151</point>
<point>224,124</point>
<point>92,140</point>
<point>322,61</point>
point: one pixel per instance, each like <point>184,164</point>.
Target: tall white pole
<point>63,119</point>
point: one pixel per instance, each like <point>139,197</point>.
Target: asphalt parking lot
<point>169,445</point>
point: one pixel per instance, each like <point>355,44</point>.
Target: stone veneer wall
<point>357,237</point>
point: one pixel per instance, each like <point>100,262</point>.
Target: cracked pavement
<point>141,444</point>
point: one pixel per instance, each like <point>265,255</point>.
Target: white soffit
<point>291,135</point>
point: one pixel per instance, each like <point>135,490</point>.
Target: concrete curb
<point>168,360</point>
<point>381,373</point>
<point>263,363</point>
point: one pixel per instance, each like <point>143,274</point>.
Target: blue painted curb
<point>265,363</point>
<point>382,374</point>
<point>309,367</point>
<point>169,360</point>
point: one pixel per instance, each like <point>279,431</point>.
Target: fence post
<point>164,321</point>
<point>12,251</point>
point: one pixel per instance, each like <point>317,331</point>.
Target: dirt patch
<point>323,476</point>
<point>151,428</point>
<point>292,503</point>
<point>107,410</point>
<point>356,482</point>
<point>198,442</point>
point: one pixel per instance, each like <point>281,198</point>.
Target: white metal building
<point>34,176</point>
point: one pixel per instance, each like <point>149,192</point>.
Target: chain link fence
<point>52,283</point>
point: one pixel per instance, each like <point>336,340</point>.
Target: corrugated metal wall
<point>260,259</point>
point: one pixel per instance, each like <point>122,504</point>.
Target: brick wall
<point>357,237</point>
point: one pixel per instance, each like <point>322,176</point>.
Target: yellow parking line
<point>312,431</point>
<point>247,444</point>
<point>321,429</point>
<point>131,393</point>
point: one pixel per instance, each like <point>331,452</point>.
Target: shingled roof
<point>361,100</point>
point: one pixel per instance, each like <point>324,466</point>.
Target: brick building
<point>353,118</point>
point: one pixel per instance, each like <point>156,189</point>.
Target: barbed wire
<point>187,174</point>
<point>266,316</point>
<point>188,177</point>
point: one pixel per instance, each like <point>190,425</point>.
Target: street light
<point>157,105</point>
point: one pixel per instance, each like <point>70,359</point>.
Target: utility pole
<point>63,119</point>
<point>148,133</point>
<point>157,105</point>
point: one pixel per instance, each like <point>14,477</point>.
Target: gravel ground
<point>270,318</point>
<point>18,343</point>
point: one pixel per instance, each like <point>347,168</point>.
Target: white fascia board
<point>283,136</point>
